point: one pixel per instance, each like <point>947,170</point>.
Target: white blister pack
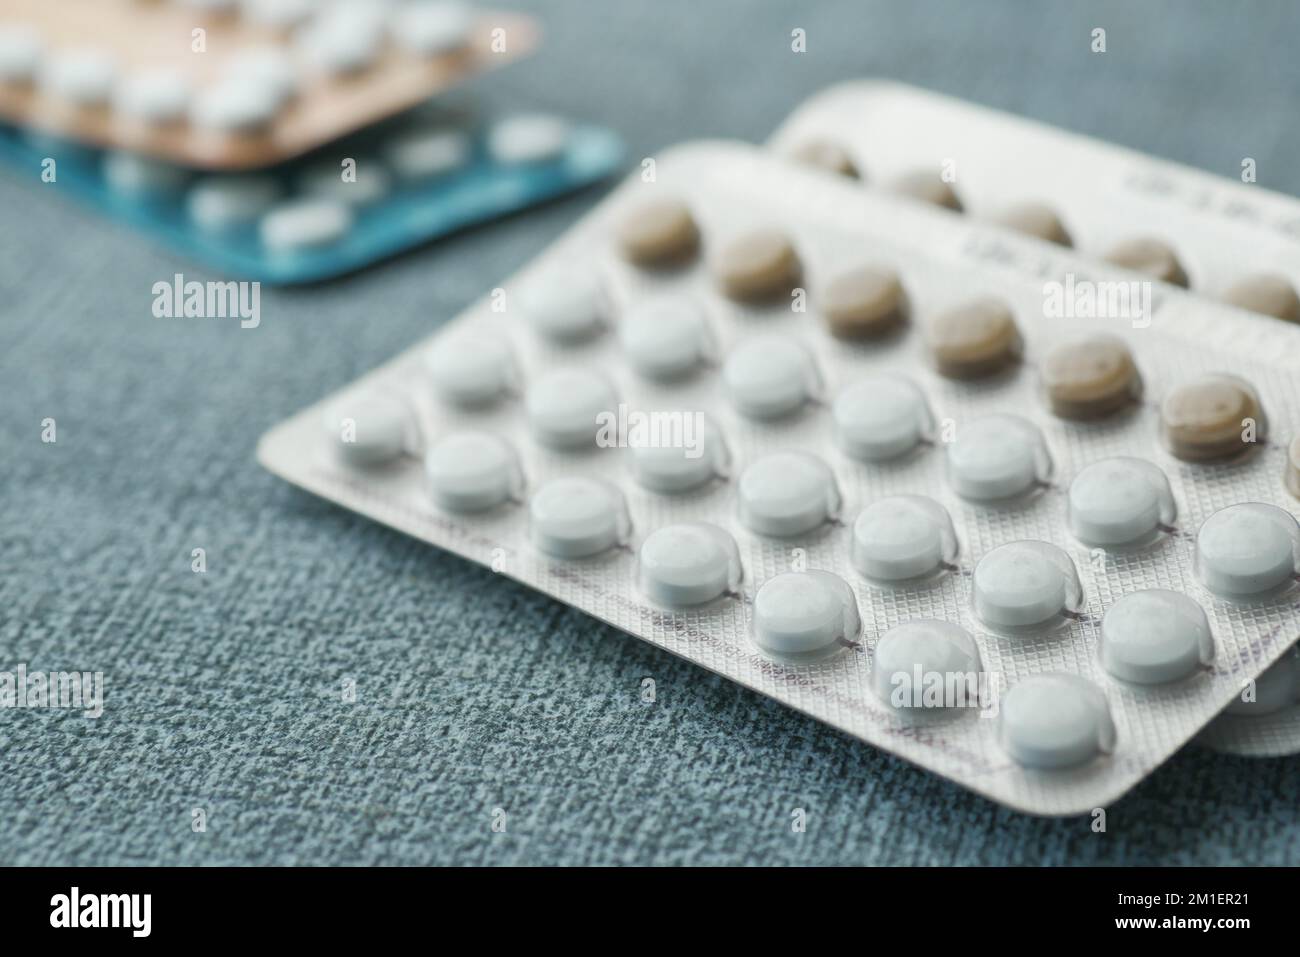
<point>902,529</point>
<point>1224,239</point>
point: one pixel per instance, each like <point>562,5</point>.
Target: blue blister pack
<point>304,221</point>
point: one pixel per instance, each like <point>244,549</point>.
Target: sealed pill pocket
<point>813,438</point>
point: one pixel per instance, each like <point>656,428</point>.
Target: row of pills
<point>1265,293</point>
<point>255,83</point>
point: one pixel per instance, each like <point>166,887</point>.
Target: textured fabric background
<point>223,690</point>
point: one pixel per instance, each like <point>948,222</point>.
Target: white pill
<point>563,304</point>
<point>1120,501</point>
<point>529,138</point>
<point>881,417</point>
<point>20,53</point>
<point>1025,585</point>
<point>305,223</point>
<point>902,537</point>
<point>577,516</point>
<point>1155,636</point>
<point>665,337</point>
<point>927,663</point>
<point>689,564</point>
<point>369,428</point>
<point>770,377</point>
<point>1055,721</point>
<point>471,370</point>
<point>432,27</point>
<point>224,202</point>
<point>142,175</point>
<point>82,76</point>
<point>566,407</point>
<point>425,154</point>
<point>366,182</point>
<point>471,471</point>
<point>787,493</point>
<point>267,69</point>
<point>154,97</point>
<point>278,13</point>
<point>805,614</point>
<point>343,39</point>
<point>235,106</point>
<point>1247,549</point>
<point>997,457</point>
<point>1277,688</point>
<point>673,467</point>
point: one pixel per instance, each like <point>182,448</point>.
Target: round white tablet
<point>344,38</point>
<point>577,516</point>
<point>1245,550</point>
<point>424,154</point>
<point>1025,584</point>
<point>154,97</point>
<point>1055,721</point>
<point>361,182</point>
<point>528,138</point>
<point>1119,501</point>
<point>471,471</point>
<point>267,69</point>
<point>565,407</point>
<point>432,27</point>
<point>369,428</point>
<point>234,106</point>
<point>81,76</point>
<point>304,224</point>
<point>278,13</point>
<point>805,614</point>
<point>20,53</point>
<point>699,457</point>
<point>902,537</point>
<point>1155,636</point>
<point>787,493</point>
<point>769,377</point>
<point>224,202</point>
<point>881,417</point>
<point>689,564</point>
<point>997,457</point>
<point>142,175</point>
<point>1277,688</point>
<point>469,369</point>
<point>666,337</point>
<point>927,663</point>
<point>563,304</point>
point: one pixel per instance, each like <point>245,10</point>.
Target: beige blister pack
<point>850,452</point>
<point>1225,239</point>
<point>237,84</point>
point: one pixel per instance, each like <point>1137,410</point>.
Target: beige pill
<point>758,266</point>
<point>863,302</point>
<point>828,156</point>
<point>975,339</point>
<point>1293,467</point>
<point>1151,256</point>
<point>659,233</point>
<point>928,187</point>
<point>1038,220</point>
<point>1268,294</point>
<point>1215,417</point>
<point>1090,378</point>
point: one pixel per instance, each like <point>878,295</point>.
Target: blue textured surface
<point>223,690</point>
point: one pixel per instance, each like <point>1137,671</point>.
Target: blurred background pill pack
<point>467,441</point>
<point>260,155</point>
<point>1228,240</point>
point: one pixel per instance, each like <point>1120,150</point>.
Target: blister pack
<point>1225,239</point>
<point>396,185</point>
<point>877,463</point>
<point>237,84</point>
